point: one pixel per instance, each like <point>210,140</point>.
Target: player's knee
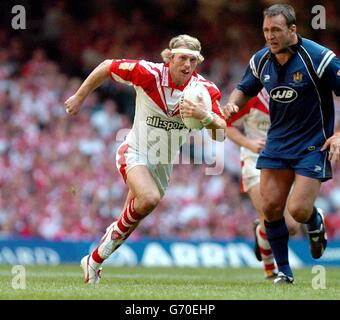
<point>299,211</point>
<point>272,210</point>
<point>148,202</point>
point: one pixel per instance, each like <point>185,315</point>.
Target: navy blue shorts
<point>313,165</point>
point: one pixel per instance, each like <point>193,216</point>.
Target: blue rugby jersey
<point>301,102</point>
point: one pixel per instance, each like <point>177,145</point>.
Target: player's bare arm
<point>217,128</point>
<point>237,100</point>
<point>255,145</point>
<point>94,80</point>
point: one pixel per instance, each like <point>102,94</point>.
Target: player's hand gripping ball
<point>193,92</point>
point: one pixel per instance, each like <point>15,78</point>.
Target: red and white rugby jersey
<point>157,126</point>
<point>254,119</point>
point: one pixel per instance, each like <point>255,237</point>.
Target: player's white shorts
<point>250,176</point>
<point>128,158</point>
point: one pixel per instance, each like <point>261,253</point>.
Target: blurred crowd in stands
<point>58,178</point>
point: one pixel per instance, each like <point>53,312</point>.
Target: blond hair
<point>180,41</point>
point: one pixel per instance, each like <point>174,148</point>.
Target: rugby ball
<point>192,92</point>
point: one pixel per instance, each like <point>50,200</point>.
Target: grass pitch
<point>65,282</point>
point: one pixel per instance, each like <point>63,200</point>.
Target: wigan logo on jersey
<point>297,76</point>
<point>283,94</point>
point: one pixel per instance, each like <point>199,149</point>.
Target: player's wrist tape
<point>209,118</point>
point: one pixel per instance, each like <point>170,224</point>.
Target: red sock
<point>128,219</point>
<point>266,252</point>
<point>96,257</point>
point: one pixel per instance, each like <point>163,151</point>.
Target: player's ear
<point>292,28</point>
<point>171,57</point>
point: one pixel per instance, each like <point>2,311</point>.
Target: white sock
<point>95,265</point>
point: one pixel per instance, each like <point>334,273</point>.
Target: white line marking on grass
<point>111,274</point>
